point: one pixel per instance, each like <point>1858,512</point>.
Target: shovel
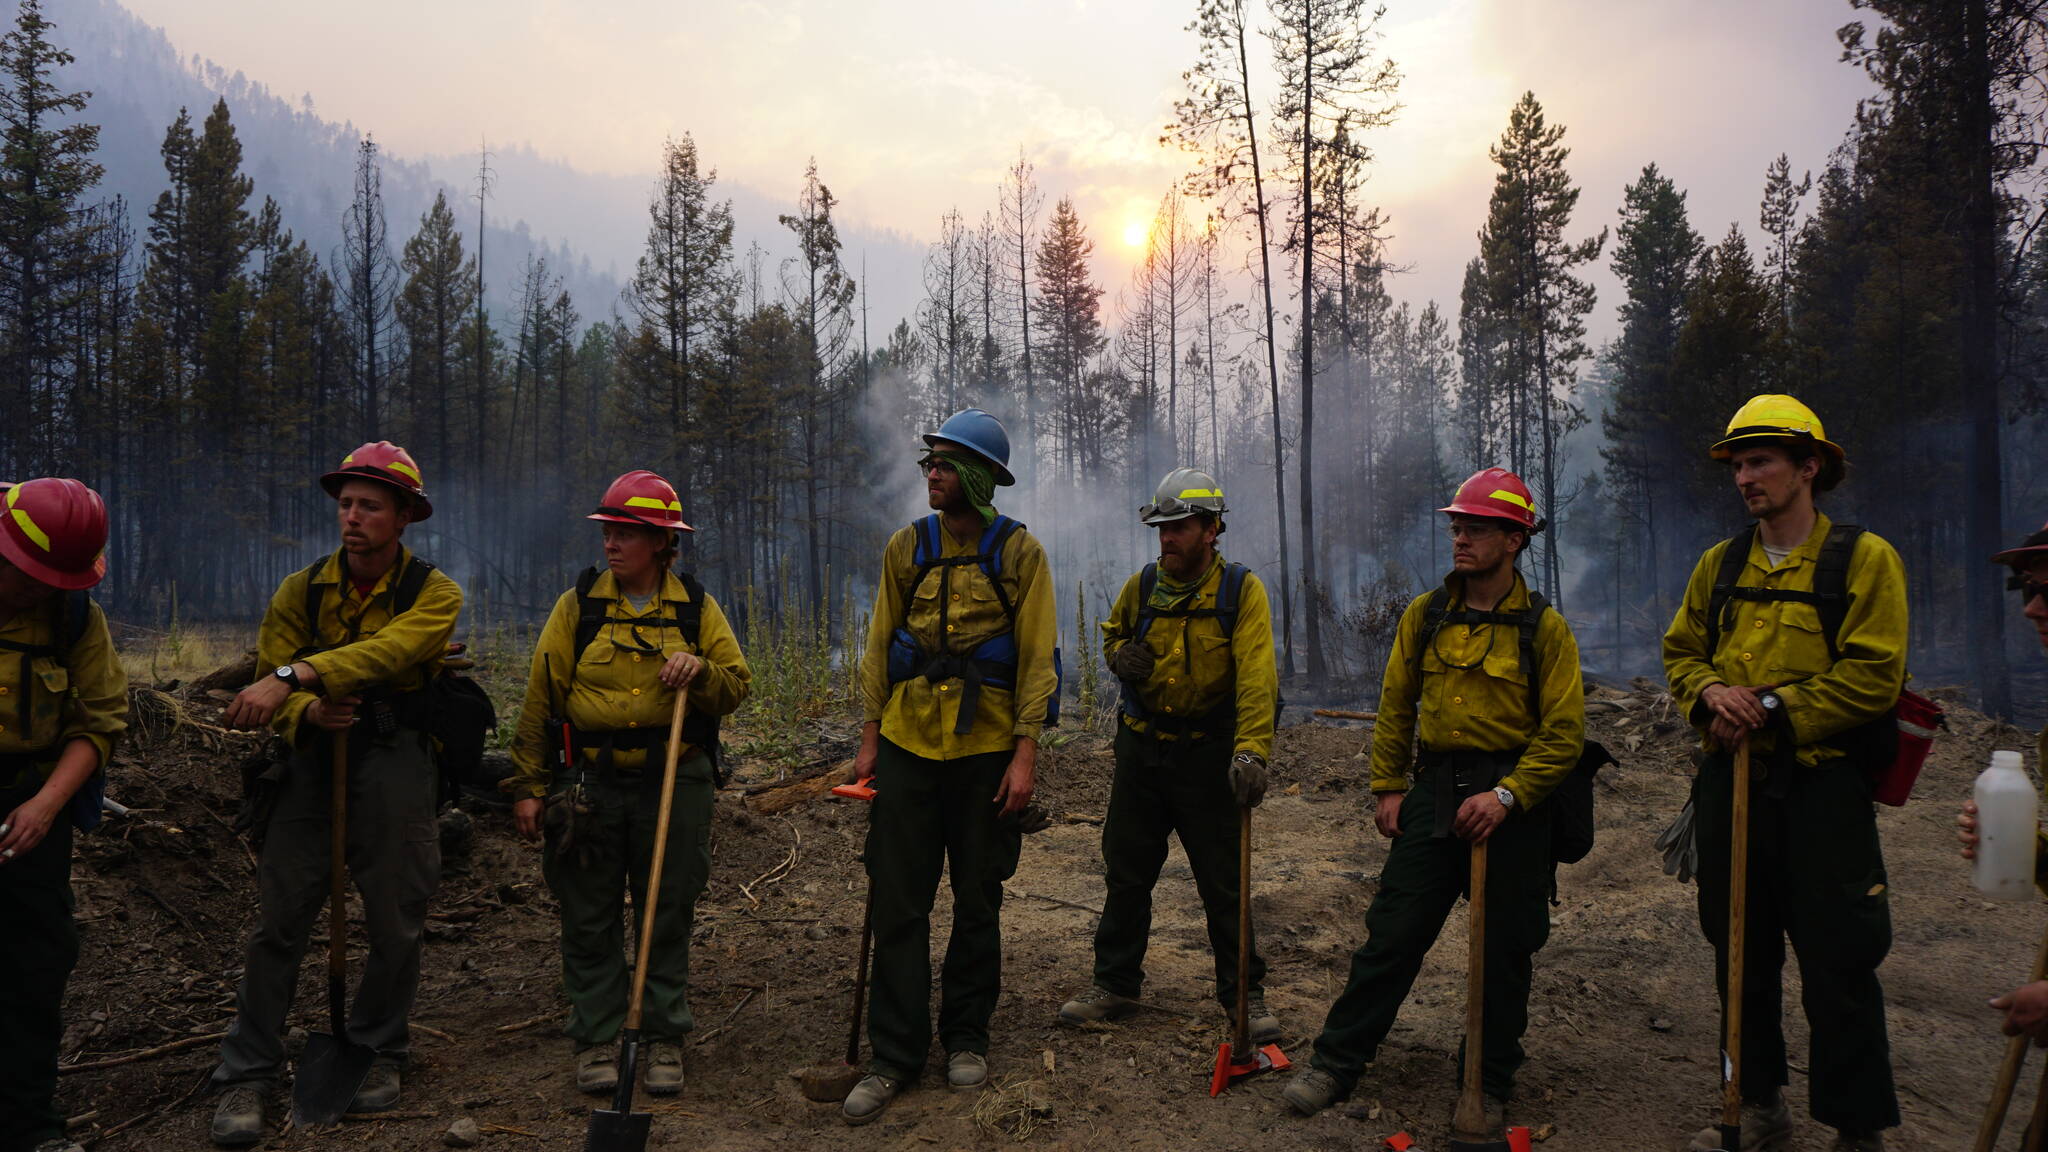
<point>1236,1058</point>
<point>619,1128</point>
<point>829,1082</point>
<point>332,1067</point>
<point>1738,907</point>
<point>1468,1123</point>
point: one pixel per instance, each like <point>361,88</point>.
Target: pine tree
<point>823,294</point>
<point>46,236</point>
<point>1779,216</point>
<point>369,285</point>
<point>432,308</point>
<point>1068,317</point>
<point>1647,422</point>
<point>680,289</point>
<point>1538,296</point>
<point>1331,89</point>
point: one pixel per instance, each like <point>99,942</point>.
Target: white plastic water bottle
<point>2006,814</point>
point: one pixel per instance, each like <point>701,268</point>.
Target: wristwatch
<point>1506,798</point>
<point>288,674</point>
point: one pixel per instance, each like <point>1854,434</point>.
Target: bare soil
<point>1622,1041</point>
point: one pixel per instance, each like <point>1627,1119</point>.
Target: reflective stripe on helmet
<point>1512,498</point>
<point>28,527</point>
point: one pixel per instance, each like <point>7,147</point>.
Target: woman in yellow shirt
<point>588,762</point>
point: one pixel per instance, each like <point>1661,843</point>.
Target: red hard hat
<point>2026,551</point>
<point>641,497</point>
<point>1497,494</point>
<point>55,531</point>
<point>385,463</point>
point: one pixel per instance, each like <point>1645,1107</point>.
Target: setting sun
<point>1135,233</point>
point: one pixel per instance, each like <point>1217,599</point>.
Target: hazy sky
<point>918,105</point>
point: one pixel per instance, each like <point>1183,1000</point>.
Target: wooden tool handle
<point>1738,910</point>
<point>1470,1118</point>
<point>2009,1070</point>
<point>668,796</point>
<point>337,891</point>
<point>1241,1040</point>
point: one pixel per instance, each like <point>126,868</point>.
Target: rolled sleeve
<point>414,637</point>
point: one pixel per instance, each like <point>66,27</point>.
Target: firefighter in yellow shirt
<point>63,700</point>
<point>2025,1008</point>
<point>589,755</point>
<point>1793,635</point>
<point>1191,640</point>
<point>350,643</point>
<point>1482,715</point>
<point>956,679</point>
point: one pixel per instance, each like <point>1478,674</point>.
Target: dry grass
<point>180,652</point>
<point>1013,1109</point>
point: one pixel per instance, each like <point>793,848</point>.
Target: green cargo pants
<point>1185,789</point>
<point>393,857</point>
<point>1816,875</point>
<point>1421,882</point>
<point>591,889</point>
<point>42,948</point>
<point>928,814</point>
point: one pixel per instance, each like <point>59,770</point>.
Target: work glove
<point>1680,847</point>
<point>1133,662</point>
<point>1248,779</point>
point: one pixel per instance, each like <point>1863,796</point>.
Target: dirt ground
<point>1622,1041</point>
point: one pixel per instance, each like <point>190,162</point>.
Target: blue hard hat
<point>981,433</point>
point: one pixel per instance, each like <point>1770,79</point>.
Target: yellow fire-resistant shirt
<point>617,683</point>
<point>365,644</point>
<point>1781,642</point>
<point>1474,696</point>
<point>46,702</point>
<point>918,715</point>
<point>1199,666</point>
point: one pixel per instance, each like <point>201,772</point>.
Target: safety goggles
<point>1171,508</point>
<point>929,461</point>
<point>2028,587</point>
<point>1472,531</point>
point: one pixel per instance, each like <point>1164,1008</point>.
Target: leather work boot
<point>1095,1006</point>
<point>966,1070</point>
<point>869,1097</point>
<point>597,1068</point>
<point>1865,1142</point>
<point>1764,1127</point>
<point>664,1068</point>
<point>238,1118</point>
<point>1311,1091</point>
<point>379,1092</point>
<point>1263,1025</point>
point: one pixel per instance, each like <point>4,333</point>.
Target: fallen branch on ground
<point>1052,900</point>
<point>145,1054</point>
<point>1346,714</point>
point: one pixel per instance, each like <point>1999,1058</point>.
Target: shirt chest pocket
<point>1799,645</point>
<point>48,687</point>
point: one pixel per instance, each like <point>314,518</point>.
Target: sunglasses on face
<point>2028,587</point>
<point>927,464</point>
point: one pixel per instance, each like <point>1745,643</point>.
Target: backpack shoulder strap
<point>1831,583</point>
<point>1148,579</point>
<point>411,582</point>
<point>928,547</point>
<point>690,616</point>
<point>1532,620</point>
<point>315,593</point>
<point>590,613</point>
<point>1433,614</point>
<point>1227,594</point>
<point>77,611</point>
<point>993,542</point>
<point>1733,557</point>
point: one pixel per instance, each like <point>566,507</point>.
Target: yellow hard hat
<point>1774,417</point>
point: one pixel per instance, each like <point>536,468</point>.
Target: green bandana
<point>1170,593</point>
<point>978,479</point>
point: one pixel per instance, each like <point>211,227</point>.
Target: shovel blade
<point>331,1070</point>
<point>612,1131</point>
<point>1229,1067</point>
